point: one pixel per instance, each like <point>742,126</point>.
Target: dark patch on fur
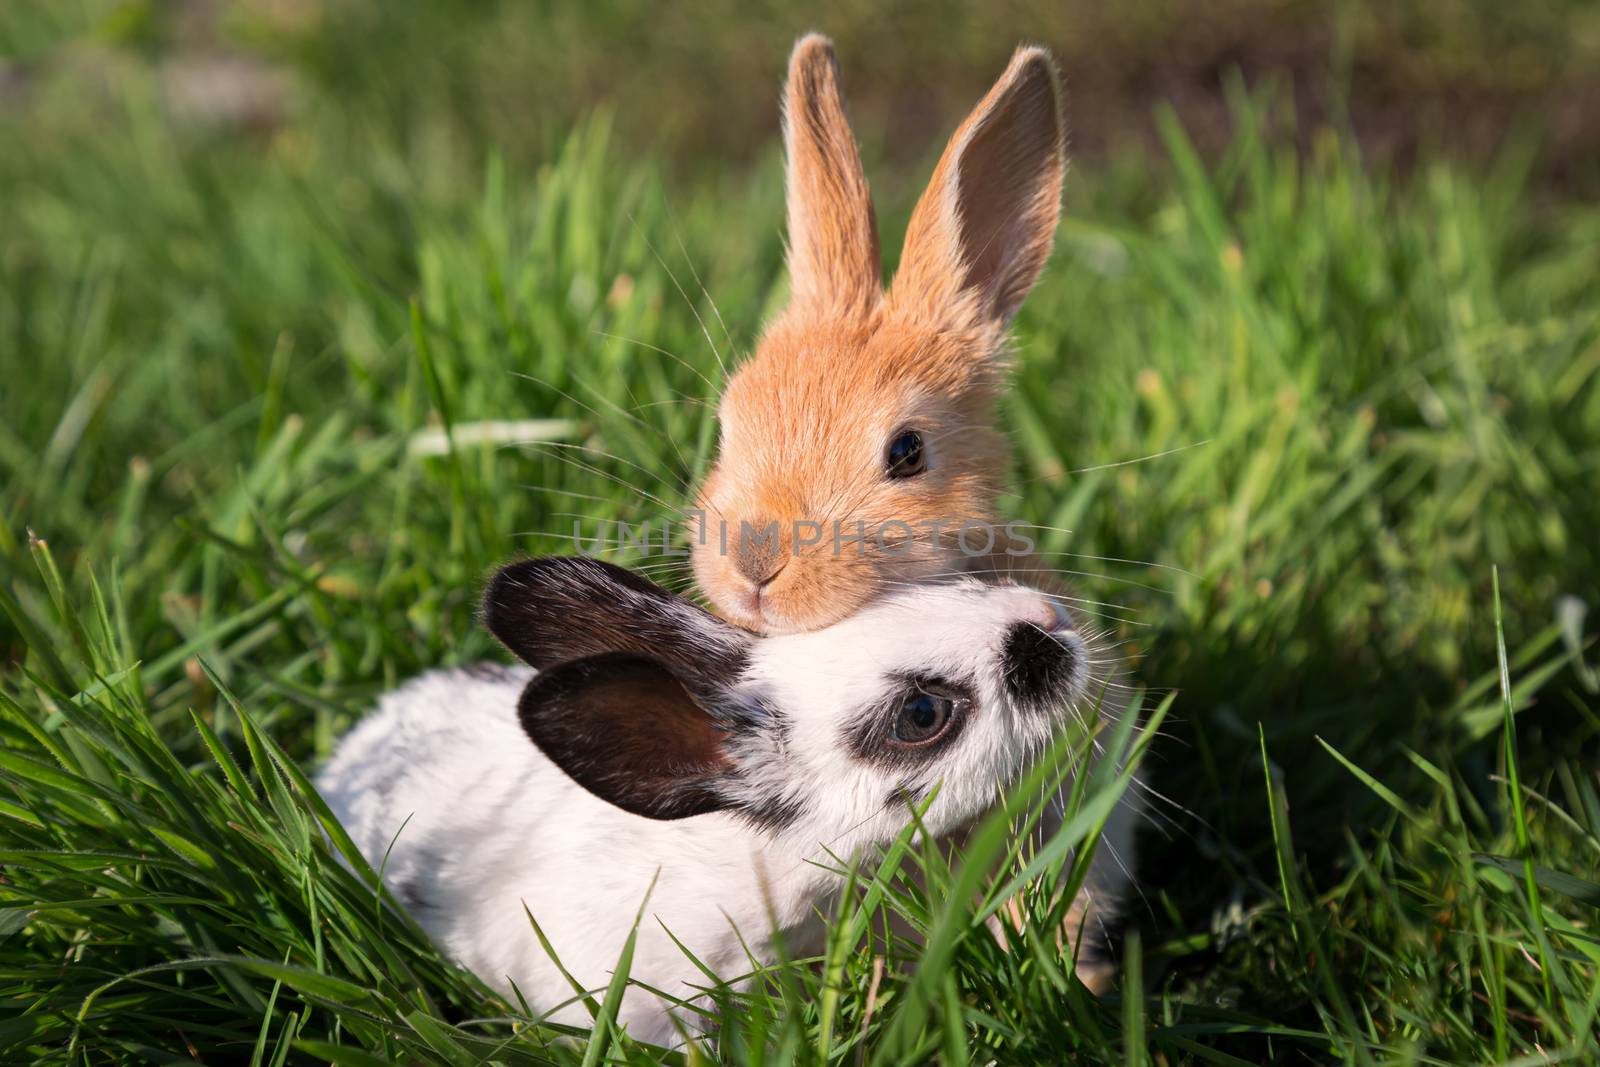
<point>777,812</point>
<point>1037,667</point>
<point>409,895</point>
<point>907,796</point>
<point>750,716</point>
<point>487,671</point>
<point>782,729</point>
<point>758,712</point>
<point>870,738</point>
<point>1100,938</point>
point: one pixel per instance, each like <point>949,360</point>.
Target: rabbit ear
<point>629,730</point>
<point>982,231</point>
<point>834,268</point>
<point>556,609</point>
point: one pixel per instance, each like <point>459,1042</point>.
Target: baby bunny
<point>866,416</point>
<point>654,743</point>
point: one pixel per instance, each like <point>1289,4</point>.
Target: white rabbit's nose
<point>1047,614</point>
<point>1042,659</point>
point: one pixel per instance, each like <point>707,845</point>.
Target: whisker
<point>679,399</point>
<point>686,473</point>
<point>672,220</point>
<point>1141,459</point>
<point>591,450</point>
<point>678,286</point>
<point>711,387</point>
<point>620,483</point>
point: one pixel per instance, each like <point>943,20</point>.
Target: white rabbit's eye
<point>924,718</point>
<point>916,721</point>
<point>906,457</point>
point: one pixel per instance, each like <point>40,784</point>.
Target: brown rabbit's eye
<point>907,458</point>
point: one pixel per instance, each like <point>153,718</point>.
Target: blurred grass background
<point>692,83</point>
<point>1318,349</point>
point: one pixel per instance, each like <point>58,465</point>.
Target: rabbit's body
<point>491,825</point>
<point>712,772</point>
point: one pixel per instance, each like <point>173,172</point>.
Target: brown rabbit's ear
<point>834,267</point>
<point>982,231</point>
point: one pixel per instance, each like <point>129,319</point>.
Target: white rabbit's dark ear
<point>629,730</point>
<point>834,267</point>
<point>981,233</point>
<point>556,609</point>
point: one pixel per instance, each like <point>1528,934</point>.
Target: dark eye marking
<point>906,456</point>
<point>920,718</point>
<point>772,812</point>
<point>906,796</point>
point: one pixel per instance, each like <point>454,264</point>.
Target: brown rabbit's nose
<point>758,554</point>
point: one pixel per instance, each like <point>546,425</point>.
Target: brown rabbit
<point>861,434</point>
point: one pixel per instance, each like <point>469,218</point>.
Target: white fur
<point>491,825</point>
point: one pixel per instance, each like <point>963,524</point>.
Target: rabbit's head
<point>665,711</point>
<point>866,415</point>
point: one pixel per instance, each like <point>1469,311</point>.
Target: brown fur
<point>833,233</point>
<point>806,421</point>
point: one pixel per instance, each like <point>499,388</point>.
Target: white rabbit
<point>659,743</point>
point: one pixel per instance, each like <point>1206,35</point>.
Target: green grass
<point>1316,408</point>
